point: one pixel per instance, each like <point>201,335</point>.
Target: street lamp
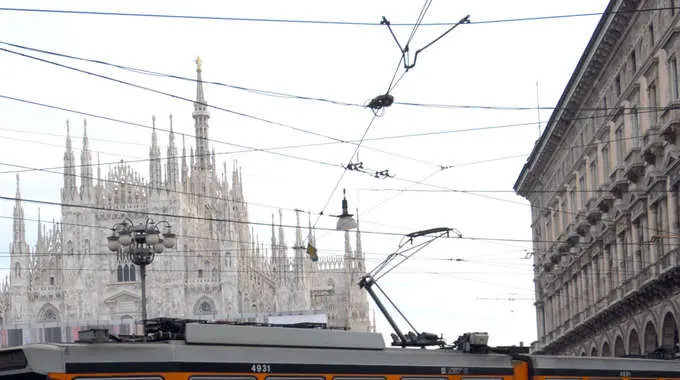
<point>143,242</point>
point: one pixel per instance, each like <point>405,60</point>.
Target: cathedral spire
<point>85,166</point>
<point>185,168</point>
<point>172,166</point>
<point>69,191</point>
<point>154,159</point>
<point>201,116</point>
<point>19,227</point>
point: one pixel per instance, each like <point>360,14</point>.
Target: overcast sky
<point>478,64</point>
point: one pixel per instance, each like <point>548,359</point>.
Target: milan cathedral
<point>217,268</point>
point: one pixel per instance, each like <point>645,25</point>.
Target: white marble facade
<point>216,269</point>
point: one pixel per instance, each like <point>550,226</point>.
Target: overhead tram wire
<point>302,97</point>
<point>185,217</point>
<point>202,196</point>
<point>237,113</point>
<point>246,149</point>
<point>317,22</point>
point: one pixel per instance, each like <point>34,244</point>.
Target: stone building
<point>603,183</point>
<point>218,269</point>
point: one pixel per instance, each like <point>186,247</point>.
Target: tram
<point>199,350</point>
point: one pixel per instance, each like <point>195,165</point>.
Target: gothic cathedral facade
<point>216,270</point>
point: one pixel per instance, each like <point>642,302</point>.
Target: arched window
<point>126,273</point>
<point>205,306</point>
<point>69,247</point>
<point>200,273</point>
<point>51,280</point>
<point>133,272</point>
<point>227,259</point>
<point>120,273</point>
<point>48,313</point>
<point>17,270</point>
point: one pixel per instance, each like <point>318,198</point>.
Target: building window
<point>605,161</point>
<point>633,62</point>
<point>651,35</point>
<point>604,105</point>
<point>200,273</point>
<point>582,189</point>
<point>673,77</point>
<point>620,145</point>
<point>617,85</point>
<point>126,273</point>
<point>635,120</point>
<point>52,281</point>
<point>593,175</point>
<point>572,200</point>
<point>651,93</point>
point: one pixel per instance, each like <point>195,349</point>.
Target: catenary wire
<point>233,112</point>
<point>320,22</point>
<point>301,97</point>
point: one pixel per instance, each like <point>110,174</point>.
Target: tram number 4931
<point>625,374</point>
<point>261,368</point>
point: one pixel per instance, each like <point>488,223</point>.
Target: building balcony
<point>619,182</point>
<point>572,235</point>
<point>605,201</point>
<point>582,224</point>
<point>671,122</point>
<point>593,213</point>
<point>634,165</point>
<point>652,147</point>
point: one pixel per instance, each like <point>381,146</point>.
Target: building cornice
<point>609,30</point>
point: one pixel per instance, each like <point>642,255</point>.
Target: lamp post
<point>143,241</point>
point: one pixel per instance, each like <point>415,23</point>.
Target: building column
<point>618,261</point>
<point>635,231</point>
<point>653,249</point>
<point>672,206</point>
<point>606,255</point>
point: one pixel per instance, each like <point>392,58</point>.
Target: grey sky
<point>492,64</point>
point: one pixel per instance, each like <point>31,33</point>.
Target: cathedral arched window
<point>205,306</point>
<point>133,272</point>
<point>126,273</point>
<point>69,247</point>
<point>200,273</point>
<point>227,259</point>
<point>52,280</point>
<point>17,270</point>
<point>48,313</point>
<point>120,273</point>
